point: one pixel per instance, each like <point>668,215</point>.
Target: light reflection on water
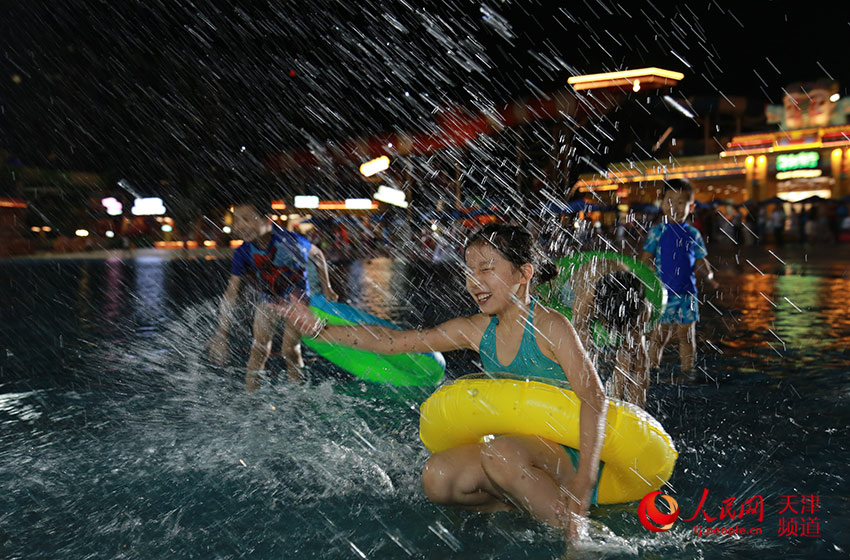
<point>789,312</point>
<point>119,440</point>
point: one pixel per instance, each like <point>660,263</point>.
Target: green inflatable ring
<point>656,293</point>
<point>401,370</point>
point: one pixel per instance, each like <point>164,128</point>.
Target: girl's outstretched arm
<point>455,334</point>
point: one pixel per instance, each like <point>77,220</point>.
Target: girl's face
<point>491,279</point>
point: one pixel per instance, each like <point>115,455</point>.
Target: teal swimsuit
<point>529,362</point>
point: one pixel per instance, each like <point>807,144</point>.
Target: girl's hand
<point>577,497</point>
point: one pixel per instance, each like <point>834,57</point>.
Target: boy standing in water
<point>676,249</point>
<point>276,261</point>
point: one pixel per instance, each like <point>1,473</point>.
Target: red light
<point>292,73</point>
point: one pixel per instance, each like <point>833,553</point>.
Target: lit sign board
<point>11,203</point>
<point>798,174</point>
<point>375,166</point>
<point>800,160</point>
<point>148,207</point>
<point>391,196</point>
<point>113,206</point>
<point>347,204</point>
<point>635,79</point>
<point>306,201</point>
<point>358,203</point>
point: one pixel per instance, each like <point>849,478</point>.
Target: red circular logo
<point>653,519</point>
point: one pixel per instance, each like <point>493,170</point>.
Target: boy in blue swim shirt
<point>676,250</point>
<point>275,261</point>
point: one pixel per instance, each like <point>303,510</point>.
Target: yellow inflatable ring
<point>638,454</point>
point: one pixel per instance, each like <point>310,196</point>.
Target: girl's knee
<point>438,480</point>
<point>503,459</point>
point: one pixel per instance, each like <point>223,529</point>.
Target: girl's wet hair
<point>620,300</point>
<point>518,246</point>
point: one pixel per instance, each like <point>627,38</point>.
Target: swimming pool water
<point>119,440</point>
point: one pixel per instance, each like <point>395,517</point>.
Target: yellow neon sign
<point>634,78</point>
<point>375,166</point>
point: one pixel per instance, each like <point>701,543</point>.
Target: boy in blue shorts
<point>275,261</point>
<point>676,250</point>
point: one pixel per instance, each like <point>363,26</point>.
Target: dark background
<point>168,89</point>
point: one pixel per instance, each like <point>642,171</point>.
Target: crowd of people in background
<point>350,237</point>
<point>725,224</point>
<point>777,223</point>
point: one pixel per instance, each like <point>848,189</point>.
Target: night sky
<point>174,88</point>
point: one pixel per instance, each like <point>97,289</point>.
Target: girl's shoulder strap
<point>529,323</point>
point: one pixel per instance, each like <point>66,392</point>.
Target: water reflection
<point>114,296</point>
<point>797,303</point>
<point>150,296</point>
<point>787,312</point>
<point>311,469</point>
<point>835,293</point>
<point>84,293</point>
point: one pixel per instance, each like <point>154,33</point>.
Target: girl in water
<point>515,334</point>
